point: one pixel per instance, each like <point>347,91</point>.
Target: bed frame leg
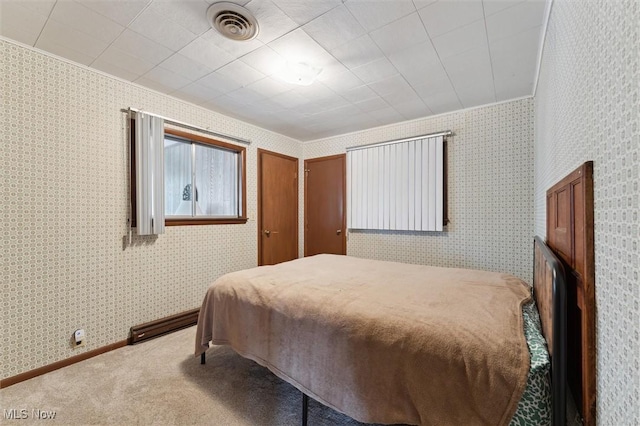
<point>203,357</point>
<point>305,406</point>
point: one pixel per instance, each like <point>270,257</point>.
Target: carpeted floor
<point>160,382</point>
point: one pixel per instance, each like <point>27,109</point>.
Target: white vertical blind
<point>149,174</point>
<point>397,186</point>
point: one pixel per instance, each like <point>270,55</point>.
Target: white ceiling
<point>383,61</point>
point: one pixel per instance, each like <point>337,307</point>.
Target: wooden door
<point>325,205</point>
<point>277,208</point>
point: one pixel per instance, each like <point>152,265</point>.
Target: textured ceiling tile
<point>322,105</point>
<point>412,109</point>
<point>168,79</point>
<point>63,49</point>
<point>142,47</point>
<point>271,107</point>
<point>358,94</point>
<point>298,46</point>
<point>358,52</point>
<point>514,20</point>
<point>493,6</point>
<point>343,81</point>
<point>394,83</point>
<point>375,71</point>
<point>125,60</point>
<point>476,93</point>
<point>246,95</point>
<point>204,52</point>
<point>442,102</point>
<point>185,67</point>
<point>316,91</point>
<point>401,34</point>
<point>334,28</point>
<point>304,11</point>
<point>418,63</point>
<point>265,59</point>
<point>228,104</point>
<point>19,23</point>
<point>331,67</point>
<point>241,72</point>
<point>515,55</point>
<point>386,115</point>
<point>161,29</point>
<point>40,7</point>
<point>121,11</point>
<point>219,82</point>
<point>191,15</point>
<point>75,15</point>
<point>374,14</point>
<point>273,21</point>
<point>234,48</point>
<point>197,93</point>
<point>441,17</point>
<point>469,37</point>
<point>71,39</point>
<point>519,46</point>
<point>403,94</point>
<point>270,87</point>
<point>516,85</point>
<point>473,65</point>
<point>423,3</point>
<point>434,86</point>
<point>372,104</point>
<point>114,69</point>
<point>289,99</point>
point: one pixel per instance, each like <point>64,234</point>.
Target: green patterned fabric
<point>534,407</point>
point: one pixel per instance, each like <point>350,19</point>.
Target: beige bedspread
<point>379,341</point>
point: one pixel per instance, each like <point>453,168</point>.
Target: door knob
<point>267,232</point>
<point>339,231</point>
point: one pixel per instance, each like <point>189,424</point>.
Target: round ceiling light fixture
<point>233,21</point>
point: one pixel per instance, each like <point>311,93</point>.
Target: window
<point>204,180</point>
<point>398,186</point>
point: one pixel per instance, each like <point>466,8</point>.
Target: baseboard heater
<point>149,330</point>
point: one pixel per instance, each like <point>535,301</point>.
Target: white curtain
<point>397,186</point>
<point>149,134</point>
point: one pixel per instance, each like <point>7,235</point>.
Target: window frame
<point>195,138</point>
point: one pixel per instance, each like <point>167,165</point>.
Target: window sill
<point>206,221</point>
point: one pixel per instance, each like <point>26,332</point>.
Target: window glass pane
<point>216,182</point>
<point>177,178</point>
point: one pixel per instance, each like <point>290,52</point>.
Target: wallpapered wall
<point>64,173</point>
<point>490,184</point>
<point>587,107</point>
<point>66,262</point>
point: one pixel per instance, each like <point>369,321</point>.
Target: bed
<point>386,342</point>
<point>393,343</point>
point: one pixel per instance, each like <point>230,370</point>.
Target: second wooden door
<point>278,208</point>
<point>325,203</point>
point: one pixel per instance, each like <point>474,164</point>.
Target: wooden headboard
<point>570,236</point>
<point>549,290</point>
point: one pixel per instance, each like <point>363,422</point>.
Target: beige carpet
<point>159,382</point>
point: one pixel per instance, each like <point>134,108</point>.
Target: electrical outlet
<point>78,339</point>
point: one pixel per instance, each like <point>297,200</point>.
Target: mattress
<point>387,342</point>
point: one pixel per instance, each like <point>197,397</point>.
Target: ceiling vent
<point>232,21</point>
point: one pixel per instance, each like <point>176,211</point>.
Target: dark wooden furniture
<point>570,235</point>
<point>550,294</point>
